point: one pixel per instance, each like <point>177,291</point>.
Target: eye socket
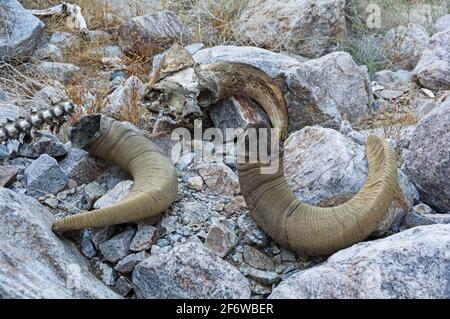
<point>205,98</point>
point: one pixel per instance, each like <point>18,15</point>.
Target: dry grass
<point>131,110</point>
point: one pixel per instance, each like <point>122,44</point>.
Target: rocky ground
<point>206,245</point>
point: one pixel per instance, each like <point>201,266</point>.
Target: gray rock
<point>48,52</point>
<point>191,48</point>
<point>44,175</point>
<point>309,27</point>
<point>424,215</point>
<point>411,264</point>
<point>79,165</point>
<point>220,178</point>
<point>117,247</point>
<point>220,240</point>
<point>19,30</point>
<point>7,174</point>
<point>126,9</point>
<point>94,191</point>
<point>195,183</point>
<point>63,72</point>
<point>145,237</point>
<point>119,191</point>
<point>426,163</point>
<point>106,273</point>
<point>153,33</point>
<point>127,264</point>
<point>250,232</point>
<point>34,262</point>
<point>433,69</point>
<point>257,259</point>
<point>188,271</point>
<point>423,107</point>
<point>100,235</point>
<point>49,95</point>
<point>4,152</point>
<point>442,24</point>
<point>344,91</point>
<point>389,94</point>
<point>64,40</point>
<point>263,277</point>
<point>125,95</point>
<point>392,80</point>
<point>46,143</point>
<point>9,112</point>
<point>86,244</point>
<point>405,45</point>
<point>123,286</point>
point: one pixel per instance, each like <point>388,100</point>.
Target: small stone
<point>127,264</point>
<point>117,247</point>
<point>423,209</point>
<point>236,205</point>
<point>94,191</point>
<point>195,183</point>
<point>79,166</point>
<point>252,234</point>
<point>45,175</point>
<point>62,195</point>
<point>46,144</point>
<point>7,174</point>
<point>63,72</point>
<point>256,259</point>
<point>220,178</point>
<point>119,191</point>
<point>123,286</point>
<point>220,240</point>
<point>100,235</point>
<point>51,202</point>
<point>71,183</point>
<point>390,94</point>
<point>145,237</point>
<point>87,246</point>
<point>106,273</point>
<point>263,277</point>
<point>286,255</point>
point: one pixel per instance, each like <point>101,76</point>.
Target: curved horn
<point>227,79</point>
<point>155,178</point>
<point>293,224</point>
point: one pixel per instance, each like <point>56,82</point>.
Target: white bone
<point>72,12</point>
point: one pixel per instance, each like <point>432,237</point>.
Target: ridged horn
<point>290,222</point>
<point>320,230</point>
<point>225,79</point>
<point>155,178</point>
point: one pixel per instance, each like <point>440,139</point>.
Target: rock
<point>153,33</point>
<point>9,112</point>
<point>48,52</point>
<point>220,178</point>
<point>433,69</point>
<point>423,209</point>
<point>263,277</point>
<point>106,273</point>
<point>429,149</point>
<point>309,27</point>
<point>250,231</point>
<point>236,112</point>
<point>188,271</point>
<point>49,95</point>
<point>63,72</point>
<point>131,92</point>
<point>127,264</point>
<point>64,40</point>
<point>4,152</point>
<point>344,91</point>
<point>422,214</point>
<point>34,262</point>
<point>256,259</point>
<point>7,174</point>
<point>79,165</point>
<point>93,191</point>
<point>118,246</point>
<point>220,240</point>
<point>442,24</point>
<point>405,44</point>
<point>46,143</point>
<point>19,30</point>
<point>123,286</point>
<point>127,10</point>
<point>145,237</point>
<point>195,183</point>
<point>44,175</point>
<point>408,265</point>
<point>390,94</point>
<point>100,235</point>
<point>236,205</point>
<point>191,48</point>
<point>393,80</point>
<point>87,246</point>
<point>119,191</point>
<point>423,107</point>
